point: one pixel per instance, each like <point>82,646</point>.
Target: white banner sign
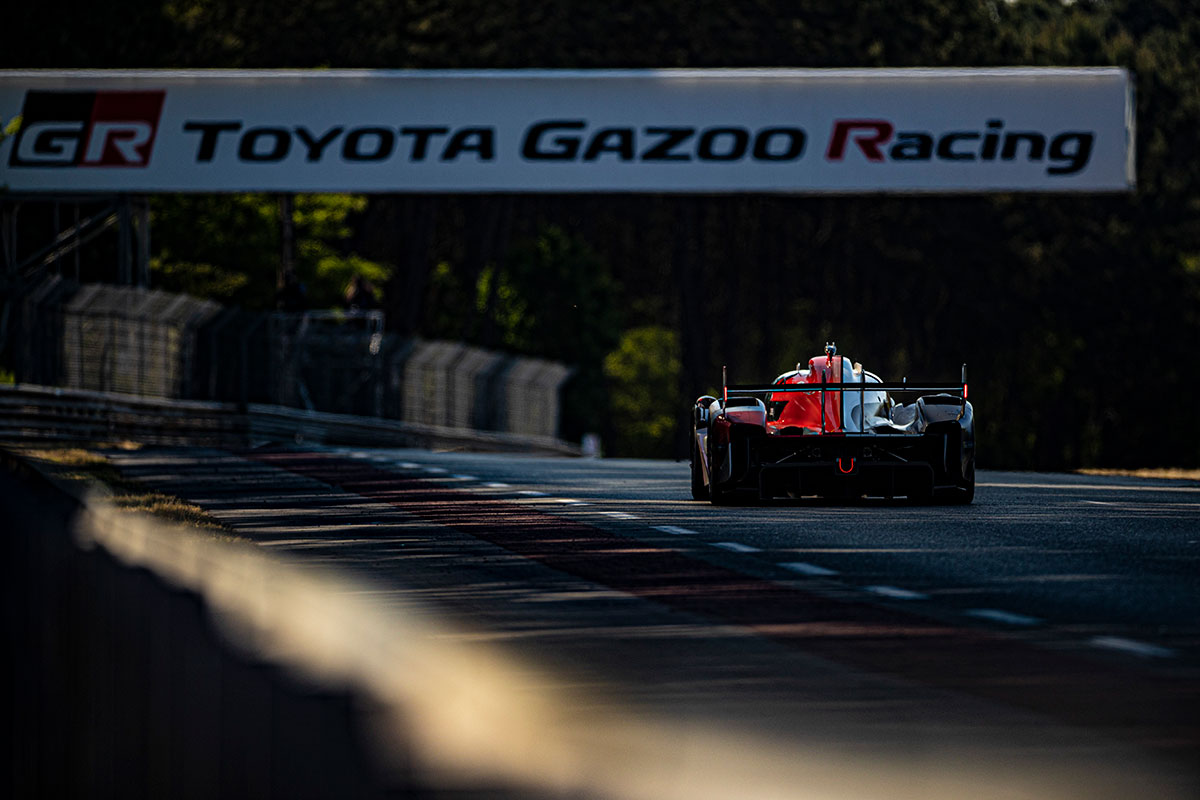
<point>796,131</point>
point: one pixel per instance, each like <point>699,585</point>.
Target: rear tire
<point>699,489</point>
<point>717,495</point>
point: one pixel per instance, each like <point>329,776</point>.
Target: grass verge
<point>96,473</point>
<point>1173,473</point>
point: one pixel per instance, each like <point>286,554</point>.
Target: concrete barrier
<point>121,684</point>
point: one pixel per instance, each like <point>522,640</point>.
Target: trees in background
<point>1079,316</point>
<point>227,247</point>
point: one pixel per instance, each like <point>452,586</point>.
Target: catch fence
<point>155,344</point>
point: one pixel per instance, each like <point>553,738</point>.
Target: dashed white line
<point>999,615</point>
<point>464,477</point>
<point>408,465</point>
<point>1133,646</point>
<point>895,592</point>
<point>570,502</point>
<point>436,470</point>
<point>619,515</point>
<point>674,530</point>
<point>532,493</point>
<point>496,485</point>
<point>737,547</point>
<point>804,568</point>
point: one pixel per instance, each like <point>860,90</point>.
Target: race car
<point>834,431</point>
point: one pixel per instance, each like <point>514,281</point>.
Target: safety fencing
<point>151,344</point>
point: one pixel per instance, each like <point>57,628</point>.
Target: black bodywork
<point>925,454</point>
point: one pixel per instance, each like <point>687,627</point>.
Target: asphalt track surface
<point>1049,633</point>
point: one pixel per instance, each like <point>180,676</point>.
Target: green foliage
<point>227,247</point>
<point>642,371</point>
<point>10,128</point>
<point>553,298</point>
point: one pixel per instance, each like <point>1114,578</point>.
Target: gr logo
<point>87,129</point>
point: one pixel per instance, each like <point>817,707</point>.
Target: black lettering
<point>565,147</point>
<point>991,140</point>
<point>421,138</point>
<point>1037,145</point>
<point>209,131</point>
<point>945,147</point>
<point>912,146</point>
<point>793,149</point>
<point>385,142</point>
<point>706,150</point>
<point>1076,157</point>
<point>316,146</point>
<point>621,143</point>
<point>471,140</point>
<point>672,138</point>
<point>279,139</point>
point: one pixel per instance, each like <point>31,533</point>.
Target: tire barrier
<point>153,344</point>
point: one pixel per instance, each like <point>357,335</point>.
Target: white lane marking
<point>1116,487</point>
<point>435,470</point>
<point>896,593</point>
<point>408,465</point>
<point>1132,646</point>
<point>568,501</point>
<point>1098,502</point>
<point>999,615</point>
<point>804,568</point>
<point>496,485</point>
<point>532,493</point>
<point>737,547</point>
<point>675,530</point>
<point>619,515</point>
<point>464,477</point>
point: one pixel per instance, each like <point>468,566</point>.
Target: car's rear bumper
<point>847,466</point>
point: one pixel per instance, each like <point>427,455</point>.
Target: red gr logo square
<point>87,129</point>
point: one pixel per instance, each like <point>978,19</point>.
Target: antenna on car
<point>964,392</point>
<point>724,386</point>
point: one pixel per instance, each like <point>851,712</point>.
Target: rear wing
<point>892,386</point>
<point>958,390</point>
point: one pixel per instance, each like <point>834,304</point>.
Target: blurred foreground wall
<point>119,685</point>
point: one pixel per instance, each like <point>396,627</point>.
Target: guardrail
<point>31,414</point>
<point>45,413</point>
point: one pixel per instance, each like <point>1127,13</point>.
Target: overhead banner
<point>694,131</point>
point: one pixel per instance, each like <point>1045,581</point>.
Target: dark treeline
<point>1079,316</point>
